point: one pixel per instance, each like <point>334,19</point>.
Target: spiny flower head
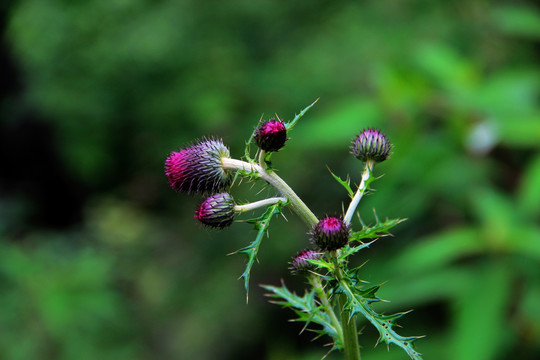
<point>216,211</point>
<point>300,262</point>
<point>330,233</point>
<point>371,144</point>
<point>271,135</point>
<point>198,169</point>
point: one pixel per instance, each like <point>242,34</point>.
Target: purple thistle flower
<point>371,144</point>
<point>330,233</point>
<point>197,168</point>
<point>216,211</point>
<point>300,262</point>
<point>271,135</point>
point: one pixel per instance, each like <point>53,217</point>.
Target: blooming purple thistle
<point>330,233</point>
<point>271,135</point>
<point>371,144</point>
<point>198,169</point>
<point>300,262</point>
<point>216,211</point>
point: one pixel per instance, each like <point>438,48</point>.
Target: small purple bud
<point>330,233</point>
<point>216,211</point>
<point>271,135</point>
<point>371,144</point>
<point>300,262</point>
<point>197,168</point>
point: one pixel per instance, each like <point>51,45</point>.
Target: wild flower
<point>207,168</point>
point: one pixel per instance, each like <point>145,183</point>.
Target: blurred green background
<point>100,259</point>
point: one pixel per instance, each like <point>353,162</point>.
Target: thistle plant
<point>335,294</point>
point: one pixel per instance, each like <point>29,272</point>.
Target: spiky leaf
<point>345,183</point>
<point>381,228</point>
<point>293,122</point>
<point>307,310</point>
<point>261,225</point>
<point>358,302</point>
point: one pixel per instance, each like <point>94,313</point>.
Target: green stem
<point>315,281</point>
<point>257,204</point>
<point>348,322</point>
<point>297,205</point>
<point>350,333</point>
<point>359,192</point>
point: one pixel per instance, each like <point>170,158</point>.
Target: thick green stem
<point>360,192</point>
<point>297,205</point>
<point>350,333</point>
<point>348,322</point>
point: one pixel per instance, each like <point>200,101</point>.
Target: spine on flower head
<point>217,211</point>
<point>198,168</point>
<point>330,233</point>
<point>372,145</point>
<point>300,262</point>
<point>271,135</point>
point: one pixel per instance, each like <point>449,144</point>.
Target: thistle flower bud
<point>330,233</point>
<point>271,135</point>
<point>216,211</point>
<point>300,262</point>
<point>198,169</point>
<point>371,144</point>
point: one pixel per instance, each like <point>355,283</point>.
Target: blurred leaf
<point>498,217</point>
<point>480,332</point>
<point>338,124</point>
<point>518,19</point>
<point>529,191</point>
<point>437,251</point>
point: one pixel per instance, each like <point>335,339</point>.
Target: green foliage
<point>359,299</point>
<point>261,224</point>
<point>307,310</point>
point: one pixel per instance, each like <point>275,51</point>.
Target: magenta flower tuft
<point>197,168</point>
<point>271,135</point>
<point>330,233</point>
<point>371,144</point>
<point>216,211</point>
<point>300,262</point>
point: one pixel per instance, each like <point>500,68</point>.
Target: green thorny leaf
<point>381,228</point>
<point>345,183</point>
<point>261,225</point>
<point>288,126</point>
<point>308,311</point>
<point>293,122</point>
<point>359,301</point>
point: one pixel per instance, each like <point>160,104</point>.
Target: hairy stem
<point>315,281</point>
<point>257,204</point>
<point>360,192</point>
<point>297,205</point>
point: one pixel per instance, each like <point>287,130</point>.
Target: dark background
<point>100,259</point>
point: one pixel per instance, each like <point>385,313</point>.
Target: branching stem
<point>297,205</point>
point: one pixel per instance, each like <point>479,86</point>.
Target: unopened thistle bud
<point>198,169</point>
<point>271,135</point>
<point>300,262</point>
<point>216,211</point>
<point>330,233</point>
<point>371,144</point>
